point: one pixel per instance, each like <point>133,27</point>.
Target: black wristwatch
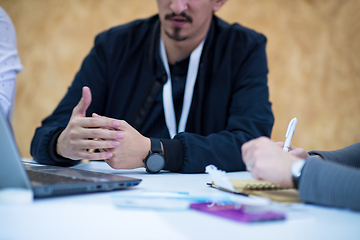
<point>155,161</point>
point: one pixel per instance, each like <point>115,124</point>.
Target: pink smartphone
<point>237,212</point>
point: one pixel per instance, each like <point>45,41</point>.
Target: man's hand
<point>133,148</point>
<point>267,161</point>
<point>81,133</point>
<point>297,152</point>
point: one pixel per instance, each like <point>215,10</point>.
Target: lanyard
<point>169,110</point>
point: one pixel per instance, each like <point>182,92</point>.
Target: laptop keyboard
<point>48,178</point>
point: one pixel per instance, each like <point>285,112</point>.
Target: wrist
<point>62,148</point>
<point>58,148</point>
<point>146,151</point>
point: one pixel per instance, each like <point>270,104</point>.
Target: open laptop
<point>48,181</point>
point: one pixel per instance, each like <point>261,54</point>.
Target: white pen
<point>289,134</point>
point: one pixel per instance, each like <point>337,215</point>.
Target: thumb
<point>84,103</point>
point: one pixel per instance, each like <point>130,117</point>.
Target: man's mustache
<point>184,15</point>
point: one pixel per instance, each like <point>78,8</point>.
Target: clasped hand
<point>120,145</point>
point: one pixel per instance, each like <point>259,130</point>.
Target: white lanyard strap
<point>168,103</point>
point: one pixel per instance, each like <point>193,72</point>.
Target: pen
<point>289,134</point>
<point>227,190</point>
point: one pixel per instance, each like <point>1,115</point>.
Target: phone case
<point>237,212</point>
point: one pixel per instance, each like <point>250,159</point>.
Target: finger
<point>280,144</point>
<point>299,152</point>
<point>93,144</point>
<point>292,148</point>
<point>100,133</point>
<point>255,173</point>
<point>94,155</point>
<point>84,103</point>
<point>96,115</point>
<point>120,124</point>
<point>247,149</point>
<point>248,167</point>
<point>92,122</point>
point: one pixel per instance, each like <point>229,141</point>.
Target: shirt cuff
<point>174,154</point>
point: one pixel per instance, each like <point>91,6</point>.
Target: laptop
<point>47,180</point>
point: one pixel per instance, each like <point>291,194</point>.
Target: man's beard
<point>176,34</point>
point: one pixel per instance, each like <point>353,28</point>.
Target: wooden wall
<point>313,54</point>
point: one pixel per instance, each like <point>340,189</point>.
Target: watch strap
<point>156,145</point>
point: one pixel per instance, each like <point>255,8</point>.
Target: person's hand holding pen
<point>271,161</point>
<point>296,151</point>
<point>267,161</point>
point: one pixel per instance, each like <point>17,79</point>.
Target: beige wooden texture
<point>313,55</point>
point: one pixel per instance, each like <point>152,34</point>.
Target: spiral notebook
<point>262,189</point>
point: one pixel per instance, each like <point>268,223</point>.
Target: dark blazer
<point>334,181</point>
<point>230,104</point>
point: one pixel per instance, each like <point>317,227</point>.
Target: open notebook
<point>263,189</point>
<point>251,187</point>
<point>47,181</point>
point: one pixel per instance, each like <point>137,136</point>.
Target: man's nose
<point>179,6</point>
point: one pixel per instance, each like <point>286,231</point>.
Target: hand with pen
<point>319,177</point>
<point>267,161</point>
<point>270,161</point>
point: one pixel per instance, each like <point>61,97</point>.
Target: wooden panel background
<point>313,53</point>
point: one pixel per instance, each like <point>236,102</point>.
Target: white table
<point>94,216</point>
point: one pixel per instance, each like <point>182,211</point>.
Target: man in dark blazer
<point>177,91</point>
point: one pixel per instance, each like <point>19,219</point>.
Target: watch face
<point>155,162</point>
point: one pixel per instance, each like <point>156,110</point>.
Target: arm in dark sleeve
<point>347,156</point>
<point>330,184</point>
<point>249,116</point>
<point>91,74</point>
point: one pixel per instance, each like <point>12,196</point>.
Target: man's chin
<point>176,37</point>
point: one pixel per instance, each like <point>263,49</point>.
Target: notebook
<point>262,189</point>
<point>48,181</point>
